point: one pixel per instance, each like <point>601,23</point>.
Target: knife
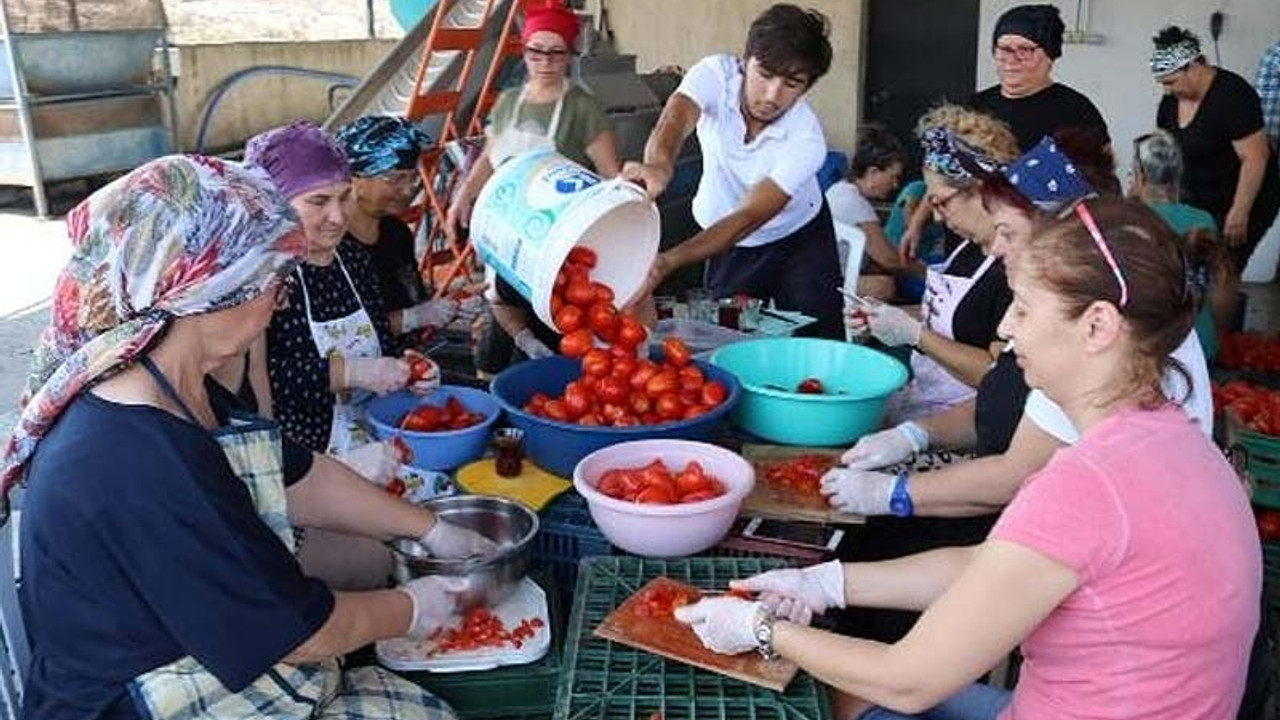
<point>784,318</point>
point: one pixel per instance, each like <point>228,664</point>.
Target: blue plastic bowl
<point>558,446</point>
<point>858,382</point>
<point>443,450</point>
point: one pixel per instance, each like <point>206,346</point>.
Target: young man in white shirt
<point>766,230</point>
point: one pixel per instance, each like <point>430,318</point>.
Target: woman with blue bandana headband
<point>382,152</point>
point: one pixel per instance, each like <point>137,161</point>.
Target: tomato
<point>576,343</point>
<point>689,481</point>
<point>713,393</point>
<point>612,390</point>
<point>556,410</point>
<point>669,407</point>
<point>396,487</point>
<point>644,372</point>
<point>691,377</point>
<point>641,404</point>
<point>579,292</point>
<point>603,292</point>
<point>562,279</point>
<point>611,413</point>
<point>583,256</point>
<point>654,494</point>
<point>810,386</point>
<point>576,402</point>
<point>624,368</point>
<point>676,352</point>
<point>602,319</point>
<point>699,496</point>
<point>801,472</point>
<point>694,411</point>
<point>630,332</point>
<point>569,318</point>
<point>592,418</point>
<point>424,418</point>
<point>1268,524</point>
<point>596,362</point>
<point>538,400</point>
<point>666,381</point>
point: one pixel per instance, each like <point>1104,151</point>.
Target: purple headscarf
<point>299,157</point>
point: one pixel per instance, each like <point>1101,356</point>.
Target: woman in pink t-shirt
<point>1128,569</point>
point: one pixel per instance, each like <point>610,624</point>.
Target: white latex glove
<point>375,461</point>
<point>862,492</point>
<point>429,382</point>
<point>530,345</point>
<point>725,625</point>
<point>887,447</point>
<point>435,313</point>
<point>377,374</point>
<point>798,595</point>
<point>891,325</point>
<point>469,308</point>
<point>435,600</point>
<point>446,540</point>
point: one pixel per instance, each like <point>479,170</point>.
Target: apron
<point>351,336</point>
<point>515,139</point>
<point>185,690</point>
<point>932,388</point>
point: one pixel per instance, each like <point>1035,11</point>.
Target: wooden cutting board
<point>784,503</point>
<point>672,639</point>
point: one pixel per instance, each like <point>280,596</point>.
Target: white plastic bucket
<point>540,205</point>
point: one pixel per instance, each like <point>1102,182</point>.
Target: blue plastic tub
<point>443,450</point>
<point>557,446</point>
<point>858,382</point>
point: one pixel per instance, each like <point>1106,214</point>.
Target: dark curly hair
<point>877,148</point>
<point>788,40</point>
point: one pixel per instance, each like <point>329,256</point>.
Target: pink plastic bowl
<point>665,530</point>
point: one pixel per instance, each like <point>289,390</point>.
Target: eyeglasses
<point>406,178</point>
<point>940,204</point>
<point>551,54</point>
<point>1086,217</point>
<point>1021,53</point>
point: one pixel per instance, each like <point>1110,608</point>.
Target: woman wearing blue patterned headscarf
<point>383,153</point>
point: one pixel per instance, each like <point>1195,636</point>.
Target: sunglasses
<point>1086,217</point>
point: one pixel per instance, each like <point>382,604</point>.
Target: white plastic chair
<point>850,243</point>
<point>15,655</point>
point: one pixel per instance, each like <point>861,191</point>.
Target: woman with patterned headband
<point>158,572</point>
<point>1216,117</point>
<point>954,342</point>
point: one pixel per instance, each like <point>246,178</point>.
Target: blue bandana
<point>379,144</point>
<point>950,156</point>
<point>1047,178</point>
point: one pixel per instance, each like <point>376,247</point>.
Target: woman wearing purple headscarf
<point>158,575</point>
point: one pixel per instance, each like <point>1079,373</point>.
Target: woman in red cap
<point>547,111</point>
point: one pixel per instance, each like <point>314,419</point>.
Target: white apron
<point>517,138</point>
<point>350,336</point>
<point>932,388</point>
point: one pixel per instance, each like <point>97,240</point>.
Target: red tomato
<point>655,495</point>
<point>582,255</point>
<point>396,487</point>
<point>603,292</point>
<point>641,404</point>
<point>669,407</point>
<point>713,393</point>
<point>579,292</point>
<point>699,496</point>
<point>676,352</point>
<point>602,319</point>
<point>556,410</point>
<point>810,386</point>
<point>596,362</point>
<point>624,368</point>
<point>694,411</point>
<point>576,343</point>
<point>569,318</point>
<point>591,418</point>
<point>630,332</point>
<point>612,390</point>
<point>643,374</point>
<point>611,413</point>
<point>666,381</point>
<point>576,402</point>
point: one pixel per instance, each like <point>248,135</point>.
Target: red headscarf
<point>553,16</point>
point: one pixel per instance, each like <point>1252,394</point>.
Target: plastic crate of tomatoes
<point>1249,351</point>
<point>1254,413</point>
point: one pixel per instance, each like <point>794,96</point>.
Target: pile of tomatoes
<point>1249,351</point>
<point>655,484</point>
<point>661,601</point>
<point>482,629</point>
<point>1257,407</point>
<point>801,473</point>
<point>434,418</point>
<point>583,309</point>
<point>617,389</point>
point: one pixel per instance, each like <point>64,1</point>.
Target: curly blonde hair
<point>980,130</point>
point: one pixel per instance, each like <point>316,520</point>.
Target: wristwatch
<point>900,499</point>
<point>763,631</point>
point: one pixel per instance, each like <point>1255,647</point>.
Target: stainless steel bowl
<point>492,578</point>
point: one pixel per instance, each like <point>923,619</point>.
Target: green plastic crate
<point>1262,463</point>
<point>509,692</point>
<point>607,681</point>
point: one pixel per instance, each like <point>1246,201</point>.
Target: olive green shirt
<point>581,120</point>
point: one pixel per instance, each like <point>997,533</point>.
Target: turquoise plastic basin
<point>858,382</point>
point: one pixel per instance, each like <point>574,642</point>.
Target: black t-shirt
<point>1229,111</point>
<point>980,311</point>
<point>130,565</point>
<point>1002,395</point>
<point>395,264</point>
<point>1035,116</point>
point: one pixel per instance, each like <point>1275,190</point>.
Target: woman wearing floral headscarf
<point>157,565</point>
<point>383,153</point>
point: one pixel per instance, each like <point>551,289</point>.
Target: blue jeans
<point>976,702</point>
